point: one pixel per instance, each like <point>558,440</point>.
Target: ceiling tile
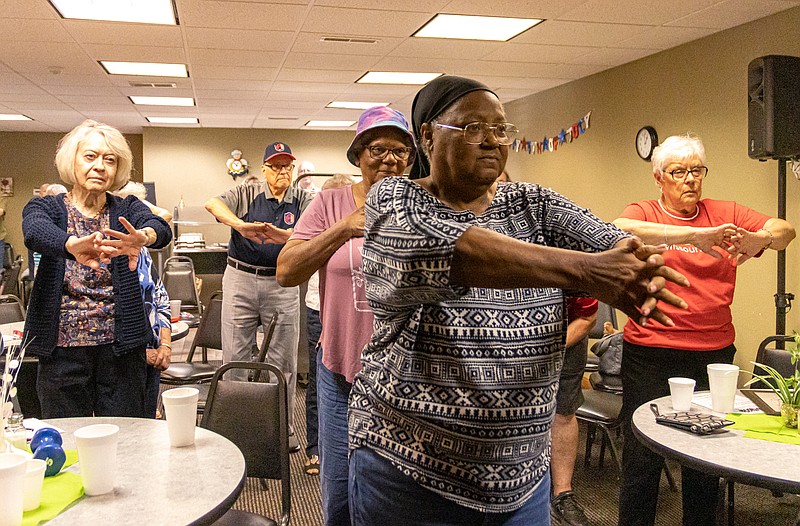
<point>256,40</point>
<point>431,6</point>
<point>232,85</point>
<point>664,37</point>
<point>567,33</point>
<point>652,13</point>
<point>37,57</point>
<point>124,34</point>
<point>316,75</point>
<point>247,15</point>
<point>364,22</point>
<point>245,58</point>
<point>17,9</point>
<point>232,72</point>
<point>167,55</point>
<point>205,94</point>
<point>731,13</point>
<point>445,48</point>
<point>511,8</point>
<point>542,53</point>
<point>314,61</point>
<point>612,56</point>
<point>34,30</point>
<point>311,43</point>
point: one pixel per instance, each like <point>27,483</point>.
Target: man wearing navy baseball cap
<point>261,218</point>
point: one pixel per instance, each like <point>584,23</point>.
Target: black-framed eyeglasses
<point>680,174</point>
<point>476,132</point>
<point>380,152</point>
<point>277,168</point>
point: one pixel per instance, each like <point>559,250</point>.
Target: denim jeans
<point>381,494</point>
<point>314,329</point>
<point>333,392</point>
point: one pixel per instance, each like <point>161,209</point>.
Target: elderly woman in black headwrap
<point>450,415</point>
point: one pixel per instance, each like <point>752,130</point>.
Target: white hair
<point>132,188</point>
<point>677,148</point>
<point>69,144</point>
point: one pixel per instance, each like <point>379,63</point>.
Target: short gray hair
<point>338,180</point>
<point>68,149</point>
<point>677,148</point>
<point>132,188</point>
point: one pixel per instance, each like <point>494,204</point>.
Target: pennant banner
<point>551,144</point>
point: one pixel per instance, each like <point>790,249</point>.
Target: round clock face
<point>646,140</point>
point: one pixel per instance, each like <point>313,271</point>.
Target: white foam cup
<point>12,477</point>
<point>180,406</point>
<point>97,454</point>
<point>34,477</point>
<point>681,390</point>
<point>175,310</point>
<point>722,379</point>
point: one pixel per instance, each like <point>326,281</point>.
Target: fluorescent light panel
<point>139,11</point>
<point>162,101</point>
<point>343,104</point>
<point>173,120</point>
<point>150,69</point>
<point>14,117</point>
<point>329,124</point>
<point>397,77</point>
<point>475,27</point>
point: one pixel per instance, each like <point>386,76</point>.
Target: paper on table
<point>33,424</point>
<point>741,404</point>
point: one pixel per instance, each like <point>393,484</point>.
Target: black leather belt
<point>250,269</point>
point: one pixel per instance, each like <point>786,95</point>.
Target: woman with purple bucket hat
<point>329,238</point>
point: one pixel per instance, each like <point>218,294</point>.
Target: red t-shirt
<point>706,325</point>
<point>580,307</point>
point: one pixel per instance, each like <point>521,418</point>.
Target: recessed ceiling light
<point>163,101</point>
<point>397,77</point>
<point>475,27</point>
<point>173,120</point>
<point>330,124</point>
<point>14,117</point>
<point>151,69</point>
<point>141,11</point>
<point>343,104</point>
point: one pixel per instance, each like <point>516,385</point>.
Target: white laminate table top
<point>156,483</point>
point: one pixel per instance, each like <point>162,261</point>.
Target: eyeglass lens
<point>379,152</point>
<point>682,173</point>
<point>476,132</point>
<point>279,168</point>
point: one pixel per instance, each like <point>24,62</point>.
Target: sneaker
<point>312,465</point>
<point>565,509</point>
<point>294,444</point>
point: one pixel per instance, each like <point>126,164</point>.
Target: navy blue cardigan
<point>44,224</point>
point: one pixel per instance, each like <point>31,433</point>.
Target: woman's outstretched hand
<point>126,244</point>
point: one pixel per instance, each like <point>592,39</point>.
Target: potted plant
<point>787,388</point>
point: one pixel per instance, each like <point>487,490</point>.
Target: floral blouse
<point>87,302</point>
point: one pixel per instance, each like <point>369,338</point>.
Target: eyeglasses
<point>380,152</point>
<point>476,132</point>
<point>278,168</point>
<point>679,174</point>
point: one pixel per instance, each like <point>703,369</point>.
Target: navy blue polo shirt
<point>253,203</point>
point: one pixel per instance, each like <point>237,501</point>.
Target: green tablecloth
<point>58,492</point>
<point>765,427</point>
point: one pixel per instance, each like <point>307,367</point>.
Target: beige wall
<point>191,163</point>
<point>28,158</point>
<point>699,87</point>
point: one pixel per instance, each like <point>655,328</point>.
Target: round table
<point>156,483</point>
<point>180,329</point>
<point>725,453</point>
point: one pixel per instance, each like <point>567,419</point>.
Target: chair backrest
<point>11,309</point>
<point>254,416</point>
<point>8,255</point>
<point>605,313</point>
<point>779,359</point>
<point>10,283</point>
<point>179,281</point>
<point>209,332</point>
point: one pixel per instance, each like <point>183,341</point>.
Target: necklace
<point>679,218</point>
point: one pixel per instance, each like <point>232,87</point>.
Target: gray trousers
<point>246,300</point>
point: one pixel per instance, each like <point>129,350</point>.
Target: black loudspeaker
<point>773,107</point>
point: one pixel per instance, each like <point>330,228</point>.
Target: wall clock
<point>646,141</point>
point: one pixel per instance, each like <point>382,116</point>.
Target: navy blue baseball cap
<point>277,148</point>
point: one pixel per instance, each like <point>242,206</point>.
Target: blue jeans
<point>381,494</point>
<point>333,392</point>
<point>314,329</point>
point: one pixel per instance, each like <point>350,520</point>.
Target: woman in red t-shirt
<point>706,240</point>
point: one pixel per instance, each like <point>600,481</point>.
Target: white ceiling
<point>259,64</point>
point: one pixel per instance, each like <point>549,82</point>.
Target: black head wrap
<point>430,102</point>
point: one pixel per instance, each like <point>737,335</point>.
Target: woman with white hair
<point>705,240</point>
<point>87,322</point>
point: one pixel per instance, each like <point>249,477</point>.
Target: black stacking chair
<point>605,313</point>
<point>179,281</point>
<point>11,309</point>
<point>769,354</point>
<point>254,416</point>
<point>601,410</point>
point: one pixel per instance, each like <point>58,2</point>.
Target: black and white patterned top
<point>458,385</point>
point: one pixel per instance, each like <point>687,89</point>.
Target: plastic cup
<point>175,310</point>
<point>681,390</point>
<point>181,407</point>
<point>722,379</point>
<point>97,454</point>
<point>12,477</point>
<point>34,477</point>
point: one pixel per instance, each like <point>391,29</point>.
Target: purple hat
<point>376,117</point>
<point>277,148</point>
